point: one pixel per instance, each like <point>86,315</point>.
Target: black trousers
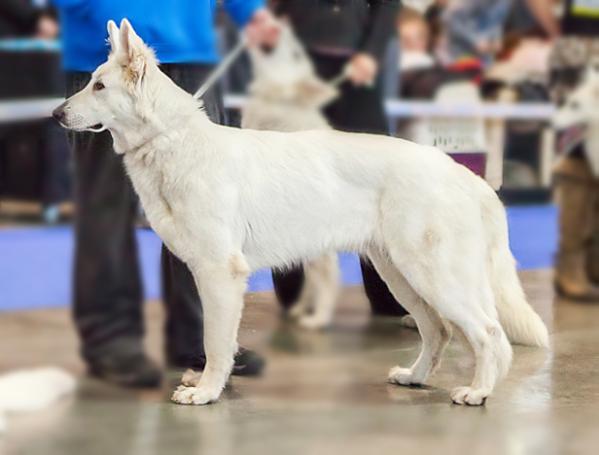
<point>357,109</point>
<point>107,287</point>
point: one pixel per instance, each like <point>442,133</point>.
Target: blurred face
<point>284,64</point>
<point>414,36</point>
<point>580,108</point>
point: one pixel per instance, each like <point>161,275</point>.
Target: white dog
<point>579,115</point>
<point>32,390</point>
<point>287,95</point>
<point>229,201</point>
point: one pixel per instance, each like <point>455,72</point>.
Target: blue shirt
<point>180,31</point>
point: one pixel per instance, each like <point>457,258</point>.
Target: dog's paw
<point>194,395</point>
<point>311,322</point>
<point>299,310</point>
<point>403,376</point>
<point>190,378</point>
<point>469,396</point>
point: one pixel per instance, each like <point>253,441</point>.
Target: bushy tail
<point>520,322</point>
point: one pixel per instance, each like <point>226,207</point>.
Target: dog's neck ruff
<point>133,150</point>
<point>160,132</point>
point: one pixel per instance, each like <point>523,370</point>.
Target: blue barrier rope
<point>29,45</point>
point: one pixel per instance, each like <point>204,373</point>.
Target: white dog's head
<point>581,107</point>
<point>285,73</point>
<point>112,97</point>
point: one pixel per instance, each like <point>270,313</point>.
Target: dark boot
<point>593,251</point>
<point>133,369</point>
<point>576,199</point>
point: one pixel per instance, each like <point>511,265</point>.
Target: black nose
<point>267,48</point>
<point>59,113</point>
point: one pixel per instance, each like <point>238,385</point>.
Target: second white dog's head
<point>581,105</point>
<point>113,95</point>
<point>285,73</point>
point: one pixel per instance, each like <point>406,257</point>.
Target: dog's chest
<point>156,189</point>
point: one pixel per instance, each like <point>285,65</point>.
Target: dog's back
<point>266,114</point>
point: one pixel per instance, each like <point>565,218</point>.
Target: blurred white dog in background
<point>287,95</point>
<point>578,117</point>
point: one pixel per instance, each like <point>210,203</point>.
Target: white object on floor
<point>32,390</point>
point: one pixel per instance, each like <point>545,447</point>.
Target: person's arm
<point>542,10</point>
<point>460,24</point>
<point>242,11</point>
<point>259,24</point>
<point>380,27</point>
<point>67,3</point>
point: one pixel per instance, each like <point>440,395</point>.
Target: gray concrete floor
<point>322,392</point>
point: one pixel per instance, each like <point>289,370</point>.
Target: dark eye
<point>99,86</point>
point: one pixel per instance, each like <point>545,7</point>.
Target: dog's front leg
<point>221,287</point>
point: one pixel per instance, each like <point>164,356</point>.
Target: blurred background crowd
<point>404,61</point>
<point>492,44</point>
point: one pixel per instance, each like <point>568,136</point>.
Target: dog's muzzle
<point>59,113</point>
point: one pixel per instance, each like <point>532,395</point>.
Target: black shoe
<point>135,370</point>
<point>247,363</point>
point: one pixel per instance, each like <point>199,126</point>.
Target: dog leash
<point>337,81</point>
<point>221,68</point>
<point>234,54</point>
<point>345,73</point>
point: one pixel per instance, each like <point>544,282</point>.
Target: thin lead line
<point>221,68</point>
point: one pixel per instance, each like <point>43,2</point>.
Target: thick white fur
<point>229,201</point>
<point>580,110</point>
<point>287,95</point>
<point>32,390</point>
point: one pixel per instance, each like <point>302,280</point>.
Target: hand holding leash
<point>262,29</point>
<point>222,68</point>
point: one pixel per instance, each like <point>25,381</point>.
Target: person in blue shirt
<point>107,288</point>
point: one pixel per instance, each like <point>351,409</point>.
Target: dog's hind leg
<point>462,295</point>
<point>435,335</point>
<point>322,288</point>
<point>221,286</point>
<point>492,352</point>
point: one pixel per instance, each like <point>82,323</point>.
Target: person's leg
<point>56,179</point>
<point>576,197</point>
<point>107,288</point>
<point>288,285</point>
<point>360,109</point>
<point>593,253</point>
<point>184,315</point>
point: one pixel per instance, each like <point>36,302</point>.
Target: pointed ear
<point>130,41</point>
<point>135,54</point>
<point>113,36</point>
<point>315,92</point>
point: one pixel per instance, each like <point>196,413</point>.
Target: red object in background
<point>470,67</point>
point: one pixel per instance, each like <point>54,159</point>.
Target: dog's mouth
<point>267,49</point>
<point>97,128</point>
<point>569,138</point>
